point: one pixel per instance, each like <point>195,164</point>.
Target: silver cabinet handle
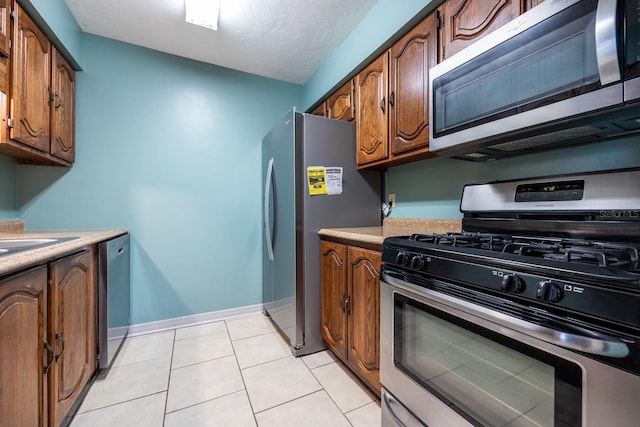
<point>607,41</point>
<point>267,216</point>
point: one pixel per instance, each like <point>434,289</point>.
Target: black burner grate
<point>603,254</point>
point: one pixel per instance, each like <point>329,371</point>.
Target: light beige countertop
<point>392,227</point>
<point>41,255</point>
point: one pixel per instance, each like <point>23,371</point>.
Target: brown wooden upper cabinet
<point>319,110</point>
<point>40,111</point>
<point>410,60</point>
<point>30,84</point>
<point>371,112</point>
<point>391,94</point>
<point>465,21</point>
<point>63,109</point>
<point>340,104</point>
<point>5,20</point>
<point>392,122</point>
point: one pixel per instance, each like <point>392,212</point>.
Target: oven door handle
<point>579,339</point>
<point>398,413</point>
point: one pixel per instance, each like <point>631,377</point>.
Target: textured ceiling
<point>282,39</point>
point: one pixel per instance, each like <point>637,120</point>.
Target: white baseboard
<point>195,319</point>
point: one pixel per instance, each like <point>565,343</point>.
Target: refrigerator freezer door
<point>279,286</point>
<point>292,217</point>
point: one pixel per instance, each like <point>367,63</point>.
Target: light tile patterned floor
<point>236,372</point>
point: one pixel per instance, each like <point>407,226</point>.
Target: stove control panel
<point>412,260</point>
<point>521,283</point>
<point>550,191</point>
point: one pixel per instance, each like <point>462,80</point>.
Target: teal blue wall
<point>432,188</point>
<point>59,18</point>
<point>170,149</point>
<point>7,188</point>
<point>380,24</point>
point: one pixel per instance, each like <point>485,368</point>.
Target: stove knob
<point>417,262</point>
<point>402,258</point>
<point>549,291</point>
<point>512,284</point>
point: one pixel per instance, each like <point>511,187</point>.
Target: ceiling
<point>281,39</point>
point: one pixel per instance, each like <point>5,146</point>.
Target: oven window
<point>489,379</point>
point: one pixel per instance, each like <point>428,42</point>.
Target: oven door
<point>446,364</point>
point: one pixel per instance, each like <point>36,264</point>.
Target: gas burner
<point>582,251</point>
<point>602,254</point>
<point>487,241</point>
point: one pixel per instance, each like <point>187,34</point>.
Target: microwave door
<point>606,36</point>
<point>552,63</point>
<point>632,52</point>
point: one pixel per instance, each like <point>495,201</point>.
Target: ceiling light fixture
<point>202,12</point>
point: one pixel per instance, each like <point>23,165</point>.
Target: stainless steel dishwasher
<point>114,297</point>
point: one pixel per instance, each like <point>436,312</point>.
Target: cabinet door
<point>340,104</point>
<point>30,92</point>
<point>371,112</point>
<point>73,329</point>
<point>533,3</point>
<point>333,294</point>
<point>319,110</point>
<point>23,322</point>
<point>62,111</point>
<point>364,314</point>
<point>466,21</point>
<point>5,142</point>
<point>4,27</point>
<point>409,63</point>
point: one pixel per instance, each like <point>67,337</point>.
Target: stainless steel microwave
<point>565,72</point>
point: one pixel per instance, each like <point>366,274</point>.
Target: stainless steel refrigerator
<point>292,216</point>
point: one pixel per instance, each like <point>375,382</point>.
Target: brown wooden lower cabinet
<point>72,319</point>
<point>23,329</point>
<point>47,340</point>
<point>350,307</point>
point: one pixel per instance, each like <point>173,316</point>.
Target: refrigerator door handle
<point>267,217</point>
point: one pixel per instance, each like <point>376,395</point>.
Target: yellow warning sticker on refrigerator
<point>324,180</point>
<point>317,183</point>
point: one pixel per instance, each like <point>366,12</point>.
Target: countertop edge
<point>39,256</point>
<point>395,227</point>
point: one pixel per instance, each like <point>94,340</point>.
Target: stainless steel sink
<point>7,244</point>
<point>13,245</point>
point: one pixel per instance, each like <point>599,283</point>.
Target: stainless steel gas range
<point>529,317</point>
